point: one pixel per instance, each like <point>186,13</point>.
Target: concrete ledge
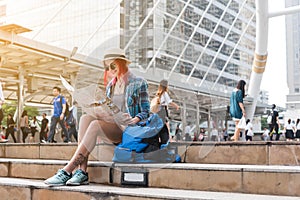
<point>58,151</point>
<point>248,153</point>
<point>245,153</point>
<point>13,188</point>
<point>258,179</point>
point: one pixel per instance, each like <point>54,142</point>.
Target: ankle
<point>69,173</point>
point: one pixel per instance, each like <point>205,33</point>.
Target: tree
<point>10,108</point>
<point>264,123</point>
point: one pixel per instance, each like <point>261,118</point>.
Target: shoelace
<point>61,175</point>
<point>79,174</point>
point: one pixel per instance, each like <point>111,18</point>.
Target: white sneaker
<point>3,140</point>
<point>44,141</point>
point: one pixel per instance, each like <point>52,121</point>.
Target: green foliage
<point>10,108</point>
<point>264,123</point>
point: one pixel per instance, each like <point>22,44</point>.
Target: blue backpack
<point>145,142</point>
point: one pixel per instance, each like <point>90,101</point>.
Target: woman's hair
<point>105,78</point>
<point>289,121</point>
<point>241,86</point>
<point>297,122</point>
<point>163,87</point>
<point>123,68</point>
<point>247,121</point>
<point>24,113</point>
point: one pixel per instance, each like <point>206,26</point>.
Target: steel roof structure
<point>36,66</point>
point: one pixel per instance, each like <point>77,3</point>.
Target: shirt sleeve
<point>144,101</point>
<point>63,100</point>
<point>165,99</point>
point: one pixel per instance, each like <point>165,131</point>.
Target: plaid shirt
<point>136,95</point>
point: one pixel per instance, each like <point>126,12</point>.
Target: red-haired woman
<point>130,94</point>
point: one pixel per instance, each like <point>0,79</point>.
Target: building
<point>293,62</point>
<point>202,47</point>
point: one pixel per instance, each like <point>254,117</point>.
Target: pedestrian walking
<point>237,109</point>
<point>59,112</point>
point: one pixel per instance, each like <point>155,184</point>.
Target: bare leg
<point>236,135</point>
<point>85,122</point>
<point>170,137</point>
<point>108,131</point>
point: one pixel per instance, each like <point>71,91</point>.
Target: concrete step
<point>253,179</point>
<point>26,189</point>
<point>248,153</point>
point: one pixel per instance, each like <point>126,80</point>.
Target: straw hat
<point>113,54</point>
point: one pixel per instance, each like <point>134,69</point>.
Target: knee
<point>86,119</point>
<point>95,124</point>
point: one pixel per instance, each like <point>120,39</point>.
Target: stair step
<point>245,153</point>
<point>27,189</point>
<point>256,179</point>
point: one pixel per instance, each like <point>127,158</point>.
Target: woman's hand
<point>126,119</point>
<point>123,119</point>
<point>134,121</point>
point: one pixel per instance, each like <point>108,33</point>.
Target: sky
<point>274,78</point>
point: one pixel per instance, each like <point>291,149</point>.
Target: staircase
<point>257,170</point>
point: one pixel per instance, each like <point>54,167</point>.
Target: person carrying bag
<point>237,109</point>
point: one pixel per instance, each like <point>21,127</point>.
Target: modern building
<point>293,61</point>
<point>202,47</point>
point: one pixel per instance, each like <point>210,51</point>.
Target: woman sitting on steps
<point>130,94</point>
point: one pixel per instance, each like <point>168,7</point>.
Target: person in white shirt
<point>214,134</point>
<point>35,127</point>
<point>289,130</point>
<point>165,101</point>
<point>249,130</point>
<point>298,129</point>
<point>187,129</point>
<point>265,134</point>
<point>164,98</point>
<point>187,133</point>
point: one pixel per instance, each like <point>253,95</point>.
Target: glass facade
<point>209,42</point>
<point>293,58</point>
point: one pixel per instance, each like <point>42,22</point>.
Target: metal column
<point>20,102</point>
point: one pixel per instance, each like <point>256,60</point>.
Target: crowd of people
<point>290,131</point>
<point>30,125</point>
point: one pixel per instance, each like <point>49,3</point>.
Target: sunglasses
<point>112,66</point>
